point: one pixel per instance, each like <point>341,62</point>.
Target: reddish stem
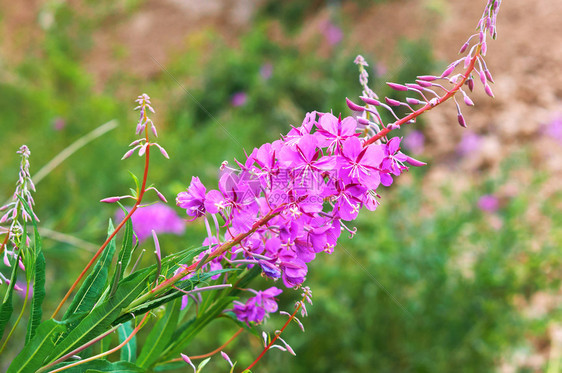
<point>220,250</point>
<point>276,336</point>
<point>3,245</point>
<point>219,349</point>
<point>127,217</point>
<point>429,106</point>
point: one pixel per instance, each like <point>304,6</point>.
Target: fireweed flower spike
<point>287,201</point>
<point>15,213</point>
<point>143,146</point>
<point>440,87</point>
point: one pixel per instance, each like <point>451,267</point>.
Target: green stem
<point>19,317</point>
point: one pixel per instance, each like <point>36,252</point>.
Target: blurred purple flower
<point>332,33</point>
<point>380,69</point>
<point>469,143</point>
<point>266,70</point>
<point>59,124</point>
<point>488,203</point>
<point>554,129</point>
<point>414,142</point>
<point>20,289</point>
<point>239,99</point>
<point>157,217</point>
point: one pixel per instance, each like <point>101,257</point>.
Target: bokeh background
<point>458,270</point>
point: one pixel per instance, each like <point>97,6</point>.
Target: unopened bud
<point>392,102</point>
<point>488,90</point>
<point>415,162</point>
<point>397,87</point>
<point>447,71</point>
<point>467,100</point>
<point>470,84</point>
<point>353,106</point>
<point>460,118</point>
<point>370,101</point>
<point>427,78</point>
<point>423,83</point>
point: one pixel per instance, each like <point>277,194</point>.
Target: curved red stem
<point>429,106</point>
<point>98,253</point>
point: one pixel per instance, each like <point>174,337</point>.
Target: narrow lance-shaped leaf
<point>126,251</point>
<point>91,290</point>
<point>38,277</point>
<point>129,351</point>
<point>160,336</point>
<point>7,306</point>
<point>102,317</point>
<point>103,366</point>
<point>36,351</point>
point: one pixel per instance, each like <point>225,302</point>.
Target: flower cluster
<point>431,90</point>
<point>289,200</point>
<point>295,194</point>
<point>144,106</point>
<point>16,212</point>
<point>256,308</point>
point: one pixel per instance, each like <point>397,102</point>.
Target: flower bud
<point>423,83</point>
<point>397,87</point>
<point>370,101</point>
<point>488,90</point>
<point>427,78</point>
<point>392,102</point>
<point>353,106</point>
<point>461,120</point>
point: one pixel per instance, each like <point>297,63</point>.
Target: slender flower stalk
<point>277,335</point>
<point>208,354</point>
<point>143,145</point>
<point>429,105</point>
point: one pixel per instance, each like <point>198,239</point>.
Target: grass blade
<point>160,336</point>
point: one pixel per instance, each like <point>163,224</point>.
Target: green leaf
<point>171,295</point>
<point>92,289</point>
<point>126,251</point>
<point>103,366</point>
<point>36,311</point>
<point>102,316</point>
<point>185,333</point>
<point>129,351</point>
<point>36,351</point>
<point>160,336</point>
<point>38,278</point>
<point>202,364</point>
<point>7,306</point>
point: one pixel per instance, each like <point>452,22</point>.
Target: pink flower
<point>266,70</point>
<point>470,143</point>
<point>414,142</point>
<point>554,129</point>
<point>239,99</point>
<point>158,217</point>
<point>488,203</point>
<point>332,33</point>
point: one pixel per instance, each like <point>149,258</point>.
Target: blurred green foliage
<point>425,288</point>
